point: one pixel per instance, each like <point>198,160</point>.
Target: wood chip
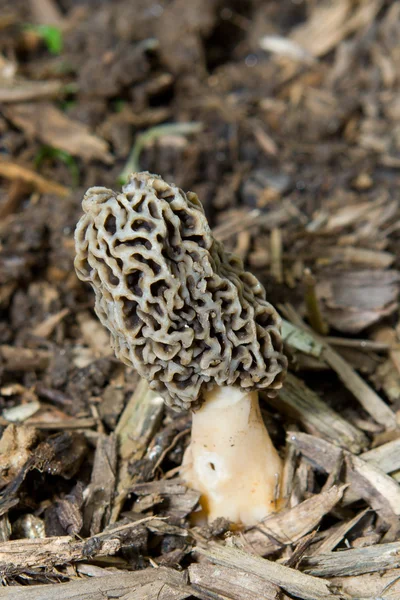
<point>359,256</point>
<point>289,526</point>
<point>17,556</point>
<point>354,562</point>
<point>374,486</point>
<point>321,454</point>
<point>148,584</point>
<point>285,47</point>
<point>351,214</point>
<point>367,481</point>
<point>94,335</point>
<point>23,359</point>
<point>385,457</point>
<point>374,586</point>
<point>367,397</point>
<point>102,484</point>
<point>136,427</point>
<point>64,423</point>
<point>46,327</point>
<point>51,126</point>
<point>333,540</point>
<point>15,448</point>
<point>290,580</point>
<point>224,582</point>
<point>21,412</point>
<point>249,220</point>
<point>14,171</point>
<point>17,191</point>
<point>387,375</point>
<point>300,402</point>
<point>180,500</point>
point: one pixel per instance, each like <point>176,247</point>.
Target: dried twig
<point>300,402</point>
<point>314,313</point>
<point>132,164</point>
<point>366,396</point>
<point>23,359</point>
<point>276,254</point>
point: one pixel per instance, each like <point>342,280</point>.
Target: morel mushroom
<point>196,325</point>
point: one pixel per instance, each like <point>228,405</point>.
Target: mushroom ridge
<point>179,308</point>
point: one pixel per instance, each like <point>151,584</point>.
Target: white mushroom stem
<point>231,460</point>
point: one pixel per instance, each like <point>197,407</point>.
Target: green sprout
<point>132,164</point>
<point>48,152</point>
<point>51,36</point>
<point>67,105</point>
<point>118,105</point>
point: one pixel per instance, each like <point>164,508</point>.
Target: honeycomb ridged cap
<point>179,308</point>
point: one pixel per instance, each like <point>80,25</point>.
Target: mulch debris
<point>283,117</point>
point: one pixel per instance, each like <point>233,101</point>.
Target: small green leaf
<point>51,36</point>
<point>119,105</point>
<point>300,340</point>
<point>66,105</point>
<point>48,152</point>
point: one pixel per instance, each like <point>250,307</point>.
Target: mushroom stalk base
<point>231,460</point>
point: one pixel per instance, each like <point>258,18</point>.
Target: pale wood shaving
<point>290,580</point>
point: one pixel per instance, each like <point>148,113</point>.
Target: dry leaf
<point>51,126</point>
<point>22,90</point>
<point>330,22</point>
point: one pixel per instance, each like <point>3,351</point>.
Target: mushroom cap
<point>179,308</point>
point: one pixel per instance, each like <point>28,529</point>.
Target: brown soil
<point>283,117</point>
